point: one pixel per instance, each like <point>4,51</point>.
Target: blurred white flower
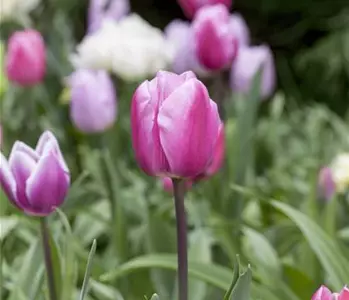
<point>131,48</point>
<point>17,10</point>
<point>340,172</point>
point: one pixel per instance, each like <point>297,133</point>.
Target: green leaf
<point>7,224</point>
<point>155,297</point>
<point>236,275</point>
<point>88,270</point>
<point>325,247</point>
<point>56,264</point>
<point>104,292</point>
<point>242,289</point>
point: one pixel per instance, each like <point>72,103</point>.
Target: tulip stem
<point>48,259</point>
<point>182,252</point>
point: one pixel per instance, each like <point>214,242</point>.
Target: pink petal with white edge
<point>7,180</point>
<point>20,146</point>
<point>184,120</point>
<point>344,295</point>
<point>145,136</point>
<point>47,186</point>
<point>323,293</point>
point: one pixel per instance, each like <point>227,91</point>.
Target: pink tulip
<point>190,7</point>
<point>246,65</point>
<point>215,42</point>
<point>26,58</point>
<point>326,184</point>
<point>36,181</point>
<point>239,27</point>
<point>323,293</point>
<point>168,185</point>
<point>175,125</point>
<point>93,106</point>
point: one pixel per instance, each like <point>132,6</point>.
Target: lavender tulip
<point>36,181</point>
<point>246,65</point>
<point>240,29</point>
<point>100,10</point>
<point>215,42</point>
<point>326,184</point>
<point>175,126</point>
<point>93,101</point>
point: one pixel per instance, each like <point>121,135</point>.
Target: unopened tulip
<point>326,184</point>
<point>100,10</point>
<point>215,42</point>
<point>240,29</point>
<point>180,35</point>
<point>168,184</point>
<point>36,181</point>
<point>93,100</point>
<point>26,58</point>
<point>246,65</point>
<point>175,126</point>
<point>190,7</point>
<point>323,293</point>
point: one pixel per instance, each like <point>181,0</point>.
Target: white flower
<point>340,172</point>
<point>17,9</point>
<point>130,48</point>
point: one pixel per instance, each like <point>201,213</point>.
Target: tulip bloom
<point>93,100</point>
<point>26,58</point>
<point>36,181</point>
<point>246,65</point>
<point>326,184</point>
<point>323,293</point>
<point>175,126</point>
<point>190,7</point>
<point>239,27</point>
<point>215,42</point>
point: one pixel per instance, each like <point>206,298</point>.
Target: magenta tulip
<point>175,126</point>
<point>323,293</point>
<point>246,65</point>
<point>190,7</point>
<point>26,58</point>
<point>215,42</point>
<point>36,181</point>
<point>326,184</point>
<point>93,100</point>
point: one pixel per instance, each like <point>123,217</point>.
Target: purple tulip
<point>190,7</point>
<point>246,65</point>
<point>100,10</point>
<point>240,29</point>
<point>215,43</point>
<point>26,58</point>
<point>323,293</point>
<point>175,125</point>
<point>326,184</point>
<point>93,101</point>
<point>180,35</point>
<point>36,181</point>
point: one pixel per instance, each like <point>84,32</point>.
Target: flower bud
<point>326,184</point>
<point>323,293</point>
<point>175,126</point>
<point>215,43</point>
<point>190,7</point>
<point>240,29</point>
<point>93,100</point>
<point>26,58</point>
<point>100,10</point>
<point>36,181</point>
<point>246,65</point>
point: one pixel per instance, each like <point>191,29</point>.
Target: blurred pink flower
<point>215,42</point>
<point>323,293</point>
<point>326,184</point>
<point>175,125</point>
<point>26,58</point>
<point>190,7</point>
<point>240,29</point>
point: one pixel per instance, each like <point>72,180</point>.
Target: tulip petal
<point>323,293</point>
<point>184,121</point>
<point>145,137</point>
<point>20,146</point>
<point>48,185</point>
<point>7,180</point>
<point>218,153</point>
<point>344,295</point>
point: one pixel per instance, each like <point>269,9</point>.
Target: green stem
<point>48,259</point>
<point>182,252</point>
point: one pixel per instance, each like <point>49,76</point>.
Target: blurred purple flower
<point>180,35</point>
<point>326,184</point>
<point>246,65</point>
<point>106,9</point>
<point>240,29</point>
<point>93,105</point>
<point>36,181</point>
